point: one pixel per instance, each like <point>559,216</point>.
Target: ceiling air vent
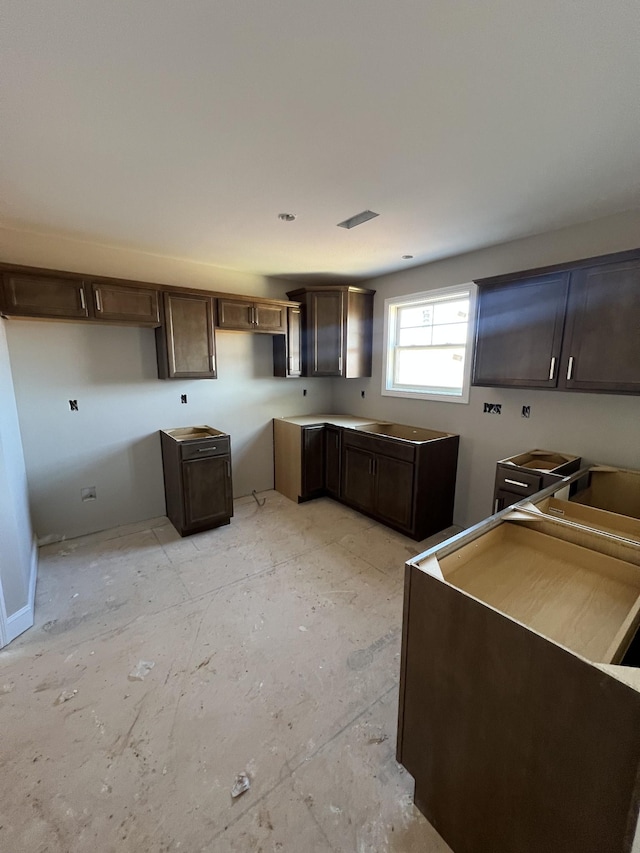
<point>358,219</point>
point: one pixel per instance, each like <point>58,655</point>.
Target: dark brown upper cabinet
<point>252,316</point>
<point>287,349</point>
<point>519,332</point>
<point>337,330</point>
<point>602,334</point>
<point>45,296</point>
<point>185,342</point>
<point>122,303</point>
<point>570,329</point>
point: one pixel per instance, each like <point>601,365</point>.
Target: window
<point>428,344</point>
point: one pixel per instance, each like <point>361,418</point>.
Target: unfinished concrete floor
<point>275,645</point>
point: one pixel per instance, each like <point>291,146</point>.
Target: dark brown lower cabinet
<point>197,480</point>
<point>332,461</point>
<point>313,478</point>
<point>407,485</point>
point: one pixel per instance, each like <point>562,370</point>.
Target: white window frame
<point>390,307</point>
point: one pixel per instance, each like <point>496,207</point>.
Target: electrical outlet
<point>362,394</point>
<point>304,392</point>
<point>88,494</point>
<point>526,411</point>
<point>493,408</point>
<point>73,405</point>
<point>183,398</point>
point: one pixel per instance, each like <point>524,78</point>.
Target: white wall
<point>16,538</point>
<point>603,428</point>
<point>112,441</point>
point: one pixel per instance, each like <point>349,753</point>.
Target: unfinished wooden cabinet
<point>571,329</point>
<point>185,343</point>
<point>197,478</point>
<point>40,295</point>
<point>244,315</point>
<point>516,720</point>
<point>125,303</point>
<point>287,348</point>
<point>337,330</point>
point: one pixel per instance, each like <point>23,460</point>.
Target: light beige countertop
<point>334,420</point>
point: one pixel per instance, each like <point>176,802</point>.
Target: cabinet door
<point>186,342</point>
<point>519,332</point>
<point>358,482</point>
<point>45,296</point>
<point>394,491</point>
<point>325,333</point>
<point>235,314</point>
<point>270,318</point>
<point>127,304</point>
<point>602,339</point>
<point>312,461</point>
<point>332,460</point>
<point>207,491</point>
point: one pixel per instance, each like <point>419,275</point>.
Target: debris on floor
<point>65,696</point>
<point>141,670</point>
<point>242,784</point>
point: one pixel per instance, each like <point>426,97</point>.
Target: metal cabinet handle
<point>552,369</point>
<point>98,301</point>
<point>205,449</point>
<point>517,483</point>
<point>495,505</point>
<point>83,301</point>
<point>570,367</point>
<point>228,469</point>
<point>213,362</point>
<point>339,364</point>
<point>254,315</point>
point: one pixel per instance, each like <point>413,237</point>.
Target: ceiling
<point>184,128</point>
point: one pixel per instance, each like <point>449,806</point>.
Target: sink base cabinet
<point>197,483</point>
<point>410,487</point>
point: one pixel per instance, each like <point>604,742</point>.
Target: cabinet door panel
<point>519,332</point>
<point>602,340</point>
<point>270,318</point>
<point>312,461</point>
<point>44,296</point>
<point>325,333</point>
<point>332,459</point>
<point>235,314</point>
<point>394,491</point>
<point>134,304</point>
<point>207,490</point>
<point>189,336</point>
<point>358,487</point>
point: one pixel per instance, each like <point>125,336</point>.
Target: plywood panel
<point>570,594</point>
<point>287,458</point>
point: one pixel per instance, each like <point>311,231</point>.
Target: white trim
<point>22,619</point>
<point>408,299</point>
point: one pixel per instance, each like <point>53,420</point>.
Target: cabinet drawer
<point>395,448</point>
<point>518,481</point>
<point>207,447</point>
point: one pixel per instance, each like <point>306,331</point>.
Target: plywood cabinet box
<point>337,330</point>
<point>197,478</point>
<point>574,328</point>
<point>287,348</point>
<point>407,483</point>
<point>516,719</point>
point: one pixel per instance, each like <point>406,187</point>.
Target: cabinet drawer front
<point>395,448</point>
<point>518,481</point>
<point>204,448</point>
